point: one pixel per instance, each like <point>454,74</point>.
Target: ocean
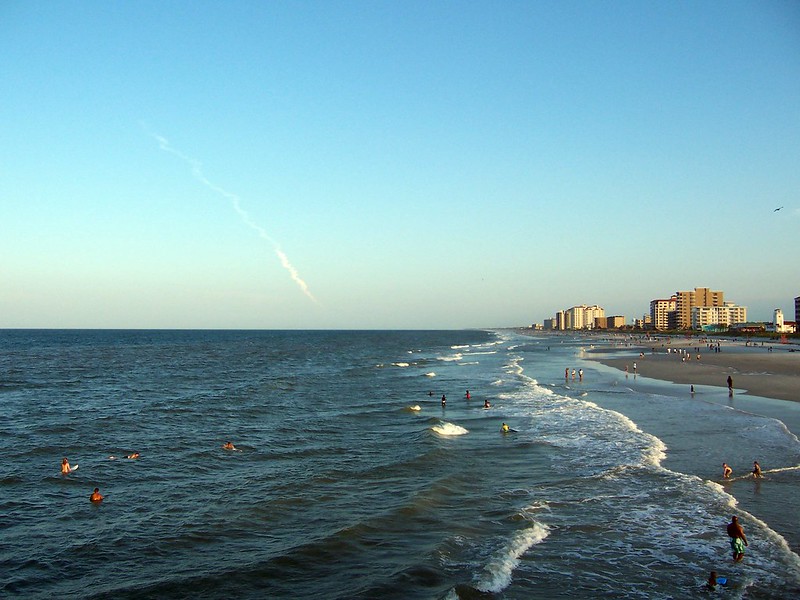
<point>351,480</point>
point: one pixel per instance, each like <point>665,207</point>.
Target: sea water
<point>353,480</point>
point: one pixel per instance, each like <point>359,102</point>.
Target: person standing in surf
<point>65,469</point>
<point>96,496</point>
<point>726,471</point>
<point>738,539</point>
<point>756,469</point>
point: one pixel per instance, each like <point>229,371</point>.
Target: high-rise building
<point>797,310</point>
<point>582,316</point>
<point>686,301</point>
<point>660,312</point>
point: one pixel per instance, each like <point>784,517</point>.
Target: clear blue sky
<point>413,164</point>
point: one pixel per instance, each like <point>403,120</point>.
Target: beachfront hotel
<point>727,315</point>
<point>662,313</point>
<point>699,297</point>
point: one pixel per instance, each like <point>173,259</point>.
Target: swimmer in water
<point>133,456</point>
<point>486,404</point>
<point>467,395</point>
<point>504,428</point>
<point>726,471</point>
<point>96,496</point>
<point>228,446</point>
<point>65,468</point>
<point>738,539</point>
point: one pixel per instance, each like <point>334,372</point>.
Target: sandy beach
<point>755,370</point>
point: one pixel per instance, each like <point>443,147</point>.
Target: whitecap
<point>502,564</point>
<point>449,429</point>
<point>431,374</point>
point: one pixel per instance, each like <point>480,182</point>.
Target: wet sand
<point>754,369</point>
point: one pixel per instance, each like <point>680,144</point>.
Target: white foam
<point>431,374</point>
<point>454,357</point>
<point>502,564</point>
<point>449,429</point>
<point>415,407</point>
<point>400,364</point>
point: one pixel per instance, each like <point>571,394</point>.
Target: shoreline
<point>755,370</point>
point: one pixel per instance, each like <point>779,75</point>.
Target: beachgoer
<point>692,389</point>
<point>566,373</point>
<point>730,382</point>
<point>713,581</point>
<point>486,404</point>
<point>634,367</point>
<point>580,374</point>
<point>444,400</point>
<point>228,446</point>
<point>504,428</point>
<point>96,496</point>
<point>726,471</point>
<point>573,374</point>
<point>467,395</point>
<point>738,539</point>
<point>65,469</point>
<point>133,456</point>
<point>756,469</point>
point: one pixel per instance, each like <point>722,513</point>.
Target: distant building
<point>582,316</point>
<point>615,322</point>
<point>797,310</point>
<point>550,324</point>
<point>685,302</point>
<point>662,313</point>
<point>718,316</point>
<point>777,319</point>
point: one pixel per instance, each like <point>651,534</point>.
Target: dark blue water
<point>351,481</point>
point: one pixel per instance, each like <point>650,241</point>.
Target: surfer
<point>726,471</point>
<point>504,428</point>
<point>738,539</point>
<point>228,446</point>
<point>133,456</point>
<point>756,469</point>
<point>65,469</point>
<point>96,496</point>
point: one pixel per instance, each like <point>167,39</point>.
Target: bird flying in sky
<point>777,209</point>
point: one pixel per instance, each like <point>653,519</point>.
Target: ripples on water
<point>340,490</point>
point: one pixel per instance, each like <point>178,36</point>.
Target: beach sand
<point>755,370</point>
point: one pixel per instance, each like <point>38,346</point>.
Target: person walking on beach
<point>730,385</point>
<point>756,469</point>
<point>726,471</point>
<point>738,539</point>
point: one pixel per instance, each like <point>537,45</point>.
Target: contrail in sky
<point>197,171</point>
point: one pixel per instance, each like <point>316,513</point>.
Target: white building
<point>582,317</point>
<point>660,312</point>
<point>727,315</point>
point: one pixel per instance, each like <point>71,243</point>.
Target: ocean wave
<point>431,374</point>
<point>449,429</point>
<point>502,565</point>
<point>401,364</point>
<point>454,357</point>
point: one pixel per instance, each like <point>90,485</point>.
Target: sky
<point>393,165</point>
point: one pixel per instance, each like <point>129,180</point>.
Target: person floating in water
<point>756,470</point>
<point>133,456</point>
<point>504,428</point>
<point>229,446</point>
<point>726,471</point>
<point>65,468</point>
<point>713,581</point>
<point>738,539</point>
<point>96,496</point>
